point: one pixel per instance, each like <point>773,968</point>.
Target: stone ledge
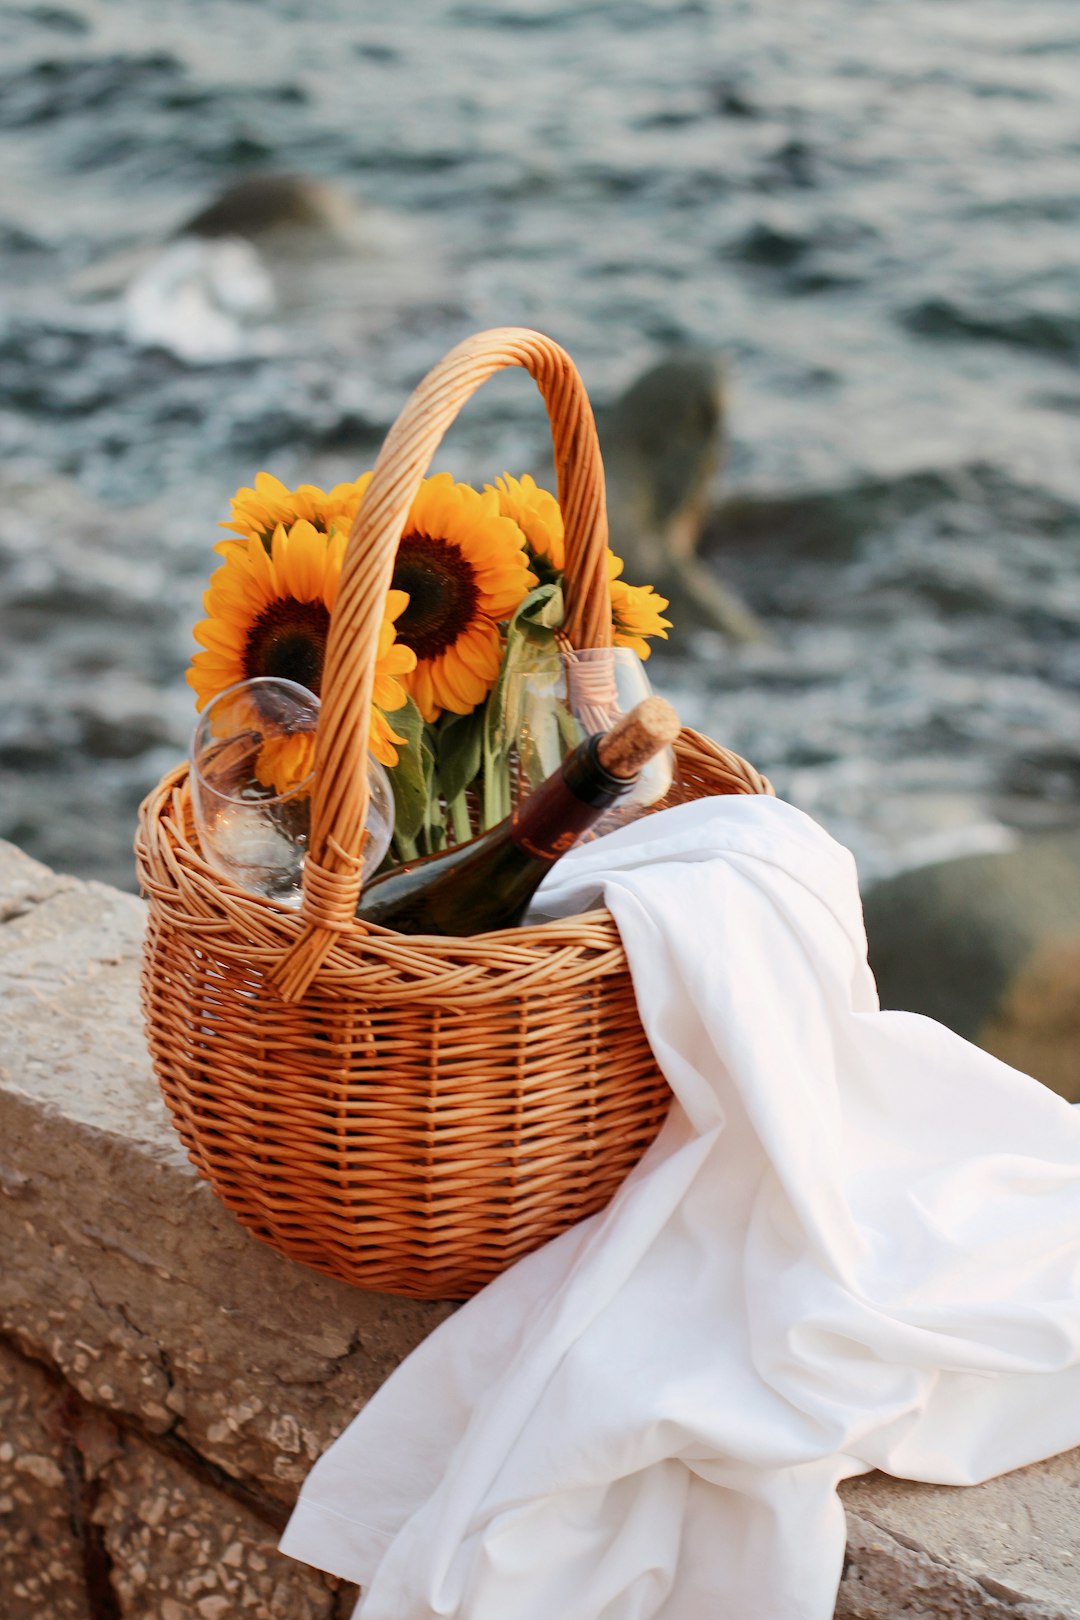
<point>42,1560</point>
<point>1006,1550</point>
<point>221,1370</point>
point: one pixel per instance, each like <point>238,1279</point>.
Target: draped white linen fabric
<point>855,1245</point>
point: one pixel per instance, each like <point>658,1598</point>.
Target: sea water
<point>871,211</point>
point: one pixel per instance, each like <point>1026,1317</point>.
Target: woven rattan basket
<point>405,1113</point>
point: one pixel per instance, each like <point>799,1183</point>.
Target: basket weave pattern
<point>405,1113</point>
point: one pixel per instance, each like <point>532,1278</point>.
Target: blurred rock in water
<point>270,264</point>
<point>286,205</point>
<point>989,945</point>
<point>663,445</point>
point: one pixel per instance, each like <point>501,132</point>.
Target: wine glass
<point>252,768</point>
<point>565,695</point>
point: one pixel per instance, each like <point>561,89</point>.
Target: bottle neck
<point>553,817</point>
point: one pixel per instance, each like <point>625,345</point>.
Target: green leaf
<point>543,609</point>
<point>410,777</point>
<point>459,744</point>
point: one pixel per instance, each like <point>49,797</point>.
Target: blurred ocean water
<point>872,211</point>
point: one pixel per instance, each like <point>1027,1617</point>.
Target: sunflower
<point>269,611</point>
<point>636,610</point>
<point>257,512</point>
<point>539,517</point>
<point>269,614</point>
<point>392,660</point>
<point>284,762</point>
<point>464,569</point>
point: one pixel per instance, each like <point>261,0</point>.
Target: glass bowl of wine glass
<point>566,695</point>
<point>252,770</point>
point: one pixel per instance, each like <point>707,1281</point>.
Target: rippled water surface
<point>872,211</point>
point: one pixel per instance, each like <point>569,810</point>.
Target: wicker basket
<point>405,1113</point>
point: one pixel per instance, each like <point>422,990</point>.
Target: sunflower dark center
<point>442,593</point>
<point>288,639</point>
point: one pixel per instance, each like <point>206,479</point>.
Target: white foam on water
<point>203,300</point>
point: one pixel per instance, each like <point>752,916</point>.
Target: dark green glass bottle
<point>488,882</point>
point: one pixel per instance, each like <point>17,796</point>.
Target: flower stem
<point>496,794</point>
<point>460,819</point>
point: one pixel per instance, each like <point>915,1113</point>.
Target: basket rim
<point>185,892</point>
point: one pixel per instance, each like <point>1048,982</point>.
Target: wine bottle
<point>488,882</point>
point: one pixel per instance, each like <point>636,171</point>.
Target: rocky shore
<point>166,1381</point>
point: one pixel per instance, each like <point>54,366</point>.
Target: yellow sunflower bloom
<point>285,762</point>
<point>392,660</point>
<point>464,568</point>
<point>636,610</point>
<point>257,512</point>
<point>269,614</point>
<point>537,514</point>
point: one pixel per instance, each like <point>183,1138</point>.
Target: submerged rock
<point>272,264</point>
<point>263,204</point>
<point>989,945</point>
<point>663,445</point>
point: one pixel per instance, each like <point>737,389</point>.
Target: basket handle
<point>332,869</point>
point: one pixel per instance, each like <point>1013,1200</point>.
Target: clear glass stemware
<point>566,696</point>
<point>252,768</point>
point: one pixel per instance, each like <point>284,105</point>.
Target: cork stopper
<point>634,739</point>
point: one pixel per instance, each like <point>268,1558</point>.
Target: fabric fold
<point>855,1244</point>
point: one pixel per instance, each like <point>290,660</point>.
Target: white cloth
<point>855,1245</point>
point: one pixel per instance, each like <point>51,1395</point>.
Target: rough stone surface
<point>180,1550</point>
<point>41,1554</point>
<point>166,1380</point>
<point>133,1280</point>
<point>890,1579</point>
<point>1008,1547</point>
